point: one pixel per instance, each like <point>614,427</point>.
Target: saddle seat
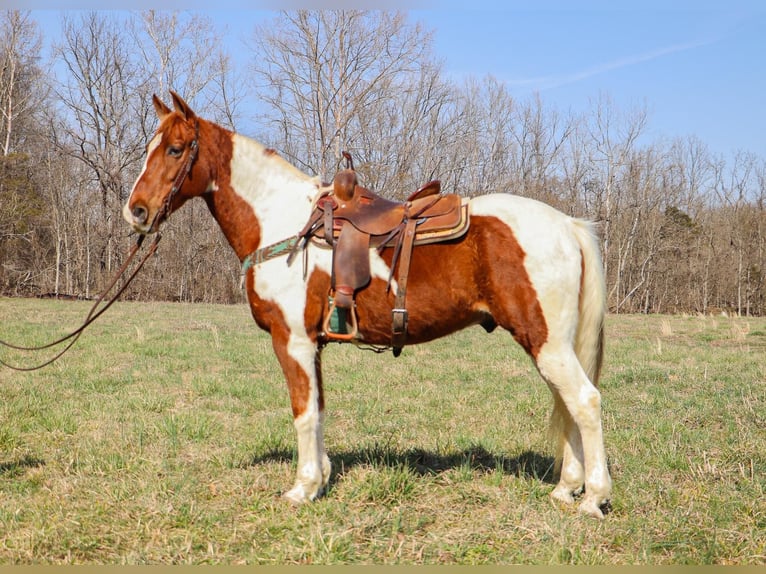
<point>352,220</point>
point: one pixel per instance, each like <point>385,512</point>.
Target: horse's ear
<point>159,107</point>
<point>181,106</point>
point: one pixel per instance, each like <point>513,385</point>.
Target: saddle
<point>353,220</point>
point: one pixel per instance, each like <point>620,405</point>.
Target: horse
<point>521,265</point>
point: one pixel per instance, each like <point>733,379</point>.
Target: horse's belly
<point>442,295</point>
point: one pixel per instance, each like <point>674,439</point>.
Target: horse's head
<point>171,174</point>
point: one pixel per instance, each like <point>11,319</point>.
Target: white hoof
<point>297,495</point>
<point>562,494</point>
<point>591,508</point>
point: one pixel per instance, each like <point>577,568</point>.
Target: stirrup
<point>337,335</point>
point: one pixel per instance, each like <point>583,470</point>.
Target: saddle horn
<point>349,160</point>
<point>345,181</point>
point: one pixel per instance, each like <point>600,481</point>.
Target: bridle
<point>94,314</point>
<point>164,209</point>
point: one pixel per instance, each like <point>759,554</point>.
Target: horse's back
<point>545,234</point>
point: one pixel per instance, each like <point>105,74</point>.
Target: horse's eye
<point>175,151</point>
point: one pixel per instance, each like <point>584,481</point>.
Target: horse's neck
<point>270,199</point>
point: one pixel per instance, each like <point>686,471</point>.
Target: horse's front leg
<point>300,358</point>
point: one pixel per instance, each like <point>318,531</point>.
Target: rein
<point>94,314</point>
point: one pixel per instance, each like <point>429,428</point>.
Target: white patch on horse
<point>263,185</point>
<point>153,145</point>
<point>261,180</point>
<point>380,270</point>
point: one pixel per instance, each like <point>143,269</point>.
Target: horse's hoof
<point>589,507</point>
<point>563,495</point>
<point>296,496</point>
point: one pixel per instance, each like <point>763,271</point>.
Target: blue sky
<point>698,71</point>
<point>699,68</point>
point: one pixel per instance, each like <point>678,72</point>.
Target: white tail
<point>589,342</point>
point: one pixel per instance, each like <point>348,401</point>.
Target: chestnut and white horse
<point>522,265</point>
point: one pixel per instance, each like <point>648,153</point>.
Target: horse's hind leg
<point>569,452</point>
<point>578,401</point>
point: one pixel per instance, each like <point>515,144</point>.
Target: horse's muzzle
<point>138,218</point>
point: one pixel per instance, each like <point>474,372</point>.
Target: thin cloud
<point>556,81</point>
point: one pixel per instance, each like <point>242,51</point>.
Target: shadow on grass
<point>528,464</point>
<point>16,467</point>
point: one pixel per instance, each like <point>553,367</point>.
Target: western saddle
<point>353,220</point>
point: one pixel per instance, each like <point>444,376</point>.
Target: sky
<point>697,68</point>
<point>698,71</point>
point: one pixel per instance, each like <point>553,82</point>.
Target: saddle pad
<point>437,234</point>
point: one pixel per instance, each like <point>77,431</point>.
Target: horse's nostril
<point>139,214</point>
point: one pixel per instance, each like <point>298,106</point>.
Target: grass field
<point>165,436</point>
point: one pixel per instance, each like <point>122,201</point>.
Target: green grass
<point>165,436</point>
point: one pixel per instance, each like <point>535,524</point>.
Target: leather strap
<point>350,265</point>
<point>328,226</point>
<point>399,314</point>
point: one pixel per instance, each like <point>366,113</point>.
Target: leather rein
<point>94,312</point>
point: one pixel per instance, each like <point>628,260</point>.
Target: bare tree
<point>478,138</point>
<point>183,52</point>
<point>691,169</point>
<point>738,190</point>
<point>636,225</point>
<point>23,225</point>
<point>323,74</point>
<point>540,135</point>
<point>577,171</point>
<point>20,90</point>
<point>99,127</point>
<point>614,138</point>
<point>399,139</point>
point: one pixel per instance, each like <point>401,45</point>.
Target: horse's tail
<point>589,341</point>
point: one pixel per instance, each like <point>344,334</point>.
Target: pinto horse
<point>522,265</point>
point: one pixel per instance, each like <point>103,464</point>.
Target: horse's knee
<point>564,374</point>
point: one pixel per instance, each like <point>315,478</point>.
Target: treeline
<point>683,229</point>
